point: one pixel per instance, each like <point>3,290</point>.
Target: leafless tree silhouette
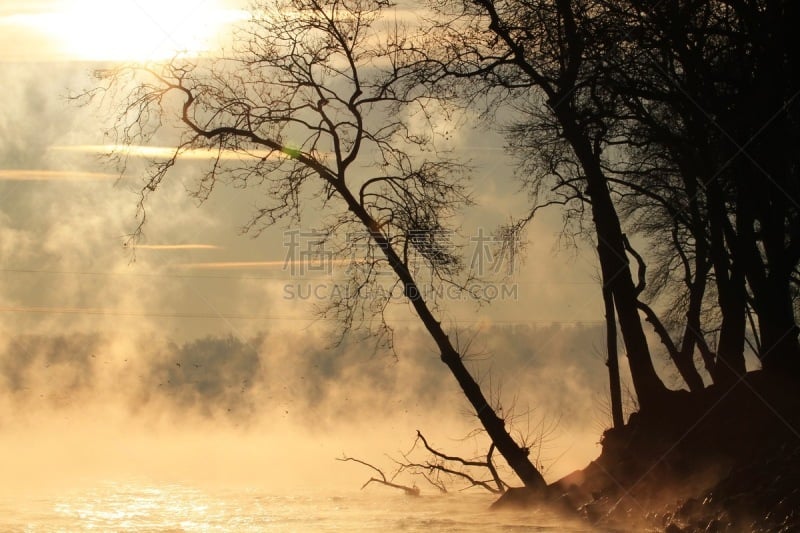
<point>306,110</point>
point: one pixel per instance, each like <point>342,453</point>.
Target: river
<point>139,506</point>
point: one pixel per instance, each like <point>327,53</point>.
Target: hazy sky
<point>199,332</point>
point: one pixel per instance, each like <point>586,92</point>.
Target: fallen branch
<point>438,470</point>
<point>410,491</point>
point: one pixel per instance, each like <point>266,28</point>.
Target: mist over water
<point>141,434</point>
<point>138,506</point>
<point>112,371</point>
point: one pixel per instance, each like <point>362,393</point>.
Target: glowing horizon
<point>127,30</point>
<point>164,152</point>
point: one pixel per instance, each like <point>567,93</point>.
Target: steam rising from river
<point>275,409</point>
<point>113,366</point>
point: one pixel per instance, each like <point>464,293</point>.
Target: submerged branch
<point>411,491</point>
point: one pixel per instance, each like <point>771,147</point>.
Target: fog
<point>276,410</point>
<point>115,362</point>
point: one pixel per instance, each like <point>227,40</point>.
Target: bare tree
<point>537,57</point>
<point>613,116</point>
<point>306,112</point>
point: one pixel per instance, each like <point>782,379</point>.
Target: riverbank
<point>725,459</point>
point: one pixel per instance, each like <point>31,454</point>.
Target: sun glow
<point>135,30</point>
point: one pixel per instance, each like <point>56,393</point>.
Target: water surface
<point>142,507</point>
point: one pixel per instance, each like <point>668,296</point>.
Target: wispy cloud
<point>165,152</point>
<point>178,247</point>
<point>313,264</point>
<point>221,265</point>
<point>54,175</point>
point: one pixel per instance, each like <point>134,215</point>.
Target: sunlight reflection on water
<point>174,508</point>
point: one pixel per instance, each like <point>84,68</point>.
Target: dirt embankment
<point>724,460</point>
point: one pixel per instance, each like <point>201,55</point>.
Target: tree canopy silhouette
<point>665,132</point>
<point>308,108</point>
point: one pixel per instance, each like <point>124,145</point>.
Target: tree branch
<point>411,491</point>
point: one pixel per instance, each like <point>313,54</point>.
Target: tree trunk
<point>777,197</point>
<point>772,295</point>
<point>516,456</point>
<point>691,333</point>
<point>613,360</point>
<point>780,352</point>
<point>730,288</point>
<point>616,272</point>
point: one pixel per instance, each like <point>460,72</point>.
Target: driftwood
<point>410,491</point>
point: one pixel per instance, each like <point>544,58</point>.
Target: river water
<point>143,507</point>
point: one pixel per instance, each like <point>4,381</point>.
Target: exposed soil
<point>726,459</point>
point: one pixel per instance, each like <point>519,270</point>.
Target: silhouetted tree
<point>708,90</point>
<point>676,119</point>
<point>533,55</point>
<point>306,108</point>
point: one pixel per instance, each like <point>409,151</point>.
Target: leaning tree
<point>305,111</point>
